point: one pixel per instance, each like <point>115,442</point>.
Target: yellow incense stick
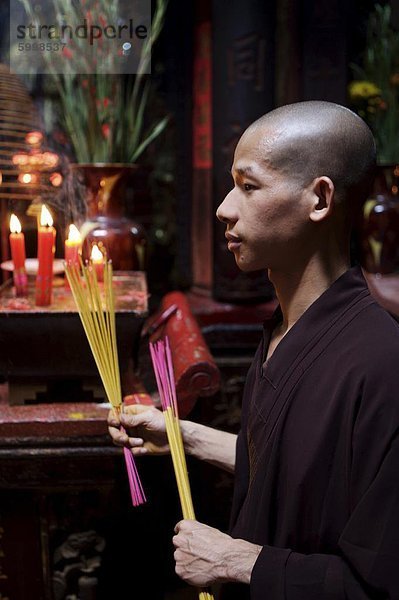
<point>98,320</point>
<point>97,313</point>
<point>164,375</point>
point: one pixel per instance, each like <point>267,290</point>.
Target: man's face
<point>267,211</point>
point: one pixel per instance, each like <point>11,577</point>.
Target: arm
<point>146,434</point>
<point>211,445</point>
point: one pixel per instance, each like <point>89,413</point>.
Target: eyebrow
<point>242,170</point>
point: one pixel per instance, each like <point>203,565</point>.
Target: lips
<point>233,240</point>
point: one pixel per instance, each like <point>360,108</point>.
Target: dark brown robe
<point>317,469</point>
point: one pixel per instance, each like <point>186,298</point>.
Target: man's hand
<point>145,429</point>
<point>205,555</point>
<point>146,434</point>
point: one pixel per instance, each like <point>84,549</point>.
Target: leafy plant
<point>104,115</point>
<point>375,91</point>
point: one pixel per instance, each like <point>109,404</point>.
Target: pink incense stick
<point>136,488</point>
<point>163,373</point>
<point>163,368</point>
<point>171,378</point>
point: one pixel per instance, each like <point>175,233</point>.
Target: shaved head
<point>307,140</point>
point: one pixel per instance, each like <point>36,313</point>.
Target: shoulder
<point>374,356</point>
<point>367,360</point>
<point>373,337</point>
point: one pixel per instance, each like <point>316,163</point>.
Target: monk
<point>315,512</point>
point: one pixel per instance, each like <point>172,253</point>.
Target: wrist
<point>189,436</point>
<point>241,557</point>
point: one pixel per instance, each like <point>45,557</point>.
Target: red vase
<point>110,192</point>
<point>379,229</point>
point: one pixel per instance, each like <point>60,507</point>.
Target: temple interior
<point>68,530</point>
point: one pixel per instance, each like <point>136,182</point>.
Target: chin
<point>250,267</point>
<point>248,262</point>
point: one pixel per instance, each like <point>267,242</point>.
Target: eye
<point>248,187</point>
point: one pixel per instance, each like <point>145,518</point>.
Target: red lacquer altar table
<point>54,444</point>
<point>64,498</point>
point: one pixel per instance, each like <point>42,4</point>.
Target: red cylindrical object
<point>99,269</point>
<point>17,244</point>
<point>72,252</point>
<point>196,373</point>
<point>45,255</point>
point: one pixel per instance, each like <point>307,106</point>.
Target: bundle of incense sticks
<point>97,313</point>
<point>163,368</point>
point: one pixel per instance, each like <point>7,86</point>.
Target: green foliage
<point>375,91</point>
<point>104,115</point>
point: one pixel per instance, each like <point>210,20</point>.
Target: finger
<point>177,555</point>
<point>113,422</point>
<point>184,525</point>
<point>135,441</point>
<point>178,526</point>
<point>135,409</point>
<point>119,438</point>
<point>128,420</point>
<point>138,451</point>
<point>113,418</point>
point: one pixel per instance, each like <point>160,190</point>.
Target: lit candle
<point>34,138</point>
<point>72,245</point>
<point>17,244</point>
<point>45,255</point>
<point>97,260</point>
<point>72,248</point>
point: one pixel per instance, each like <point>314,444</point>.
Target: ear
<point>323,193</point>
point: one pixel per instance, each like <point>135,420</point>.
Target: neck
<point>297,288</point>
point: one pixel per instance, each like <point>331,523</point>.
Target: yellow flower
<point>361,90</point>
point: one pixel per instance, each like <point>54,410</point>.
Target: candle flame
<point>50,159</point>
<point>56,179</point>
<point>20,159</point>
<point>15,224</point>
<point>96,254</point>
<point>34,137</point>
<point>73,234</point>
<point>46,220</point>
<point>27,178</point>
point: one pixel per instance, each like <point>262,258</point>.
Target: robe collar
<point>346,291</point>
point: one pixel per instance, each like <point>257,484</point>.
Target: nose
<point>227,212</point>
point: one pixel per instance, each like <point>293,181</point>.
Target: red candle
<point>45,255</point>
<point>17,244</point>
<point>72,248</point>
<point>97,260</point>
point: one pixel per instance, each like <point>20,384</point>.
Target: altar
<point>45,356</point>
<point>64,490</point>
